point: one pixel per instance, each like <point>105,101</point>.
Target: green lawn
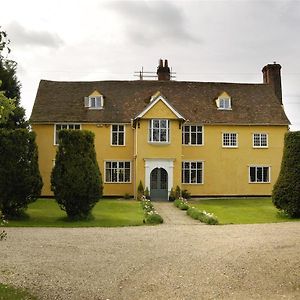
<point>11,293</point>
<point>242,210</point>
<point>106,213</point>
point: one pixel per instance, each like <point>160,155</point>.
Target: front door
<point>159,184</point>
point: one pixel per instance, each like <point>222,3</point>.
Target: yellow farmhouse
<point>211,138</point>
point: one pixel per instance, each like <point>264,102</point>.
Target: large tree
<point>76,179</point>
<point>20,179</point>
<point>286,191</point>
<point>10,85</point>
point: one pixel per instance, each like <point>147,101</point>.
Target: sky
<point>210,41</point>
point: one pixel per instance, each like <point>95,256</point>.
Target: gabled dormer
<point>223,102</point>
<point>94,101</point>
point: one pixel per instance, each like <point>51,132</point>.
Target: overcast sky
<point>228,41</point>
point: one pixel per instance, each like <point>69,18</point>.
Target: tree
<point>20,179</point>
<point>76,179</point>
<point>6,107</point>
<point>286,191</point>
<point>10,85</point>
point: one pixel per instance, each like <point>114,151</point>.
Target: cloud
<point>26,37</point>
<point>154,22</point>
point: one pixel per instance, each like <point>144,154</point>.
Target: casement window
<point>192,172</point>
<point>192,135</point>
<point>94,102</point>
<point>59,127</point>
<point>159,131</point>
<point>230,139</point>
<point>259,174</point>
<point>117,171</point>
<point>224,103</point>
<point>260,140</point>
<point>118,135</point>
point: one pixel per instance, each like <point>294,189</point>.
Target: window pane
<point>186,138</point>
<point>199,176</point>
<point>155,123</point>
<point>259,176</point>
<point>155,135</point>
<point>252,174</point>
<point>127,164</point>
<point>163,135</point>
<point>121,138</point>
<point>163,123</point>
<point>127,175</point>
<point>265,174</point>
<point>193,138</point>
<point>193,176</point>
<point>186,176</point>
<point>108,175</point>
<point>199,138</point>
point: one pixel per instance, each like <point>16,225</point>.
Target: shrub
<point>140,191</point>
<point>286,191</point>
<point>126,196</point>
<point>202,216</point>
<point>181,203</point>
<point>76,180</point>
<point>172,196</point>
<point>185,194</point>
<point>20,179</point>
<point>177,192</point>
<point>3,233</point>
<point>150,214</point>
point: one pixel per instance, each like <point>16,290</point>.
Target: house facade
<point>211,138</point>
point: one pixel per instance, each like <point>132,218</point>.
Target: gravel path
<point>155,262</point>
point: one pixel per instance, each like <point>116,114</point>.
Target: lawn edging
<point>195,213</point>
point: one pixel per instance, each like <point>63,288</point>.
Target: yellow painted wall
<point>225,170</point>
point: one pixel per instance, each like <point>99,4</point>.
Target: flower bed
<point>150,214</point>
<point>195,213</point>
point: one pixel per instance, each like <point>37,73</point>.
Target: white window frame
<point>190,135</point>
<point>231,145</point>
<point>118,171</point>
<point>151,131</point>
<point>222,103</point>
<point>117,133</point>
<point>190,169</point>
<point>94,102</point>
<point>67,125</point>
<point>260,139</point>
<point>256,173</point>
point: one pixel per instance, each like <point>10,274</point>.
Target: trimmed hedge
<point>76,180</point>
<point>286,191</point>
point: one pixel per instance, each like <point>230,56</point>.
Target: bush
<point>140,191</point>
<point>76,180</point>
<point>181,203</point>
<point>20,179</point>
<point>150,215</point>
<point>172,196</point>
<point>147,193</point>
<point>185,194</point>
<point>126,196</point>
<point>286,191</point>
<point>202,216</point>
<point>177,192</point>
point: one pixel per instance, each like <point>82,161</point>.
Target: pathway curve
<point>172,215</point>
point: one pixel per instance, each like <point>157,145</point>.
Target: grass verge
<point>10,293</point>
<point>242,210</point>
<point>106,213</point>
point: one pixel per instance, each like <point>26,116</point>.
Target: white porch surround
<point>165,163</point>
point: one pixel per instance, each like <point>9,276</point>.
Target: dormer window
<point>94,101</point>
<point>224,102</point>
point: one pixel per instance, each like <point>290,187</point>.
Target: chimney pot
<point>163,71</point>
<point>272,76</point>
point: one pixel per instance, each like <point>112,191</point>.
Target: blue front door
<point>159,184</point>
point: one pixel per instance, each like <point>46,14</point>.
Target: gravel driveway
<point>155,262</point>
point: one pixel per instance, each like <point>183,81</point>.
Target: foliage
<point>20,180</point>
<point>177,192</point>
<point>140,191</point>
<point>172,195</point>
<point>185,194</point>
<point>3,233</point>
<point>150,214</point>
<point>126,196</point>
<point>181,203</point>
<point>11,86</point>
<point>286,191</point>
<point>76,179</point>
<point>6,107</point>
<point>202,216</point>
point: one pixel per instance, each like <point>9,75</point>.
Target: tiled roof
<point>124,100</point>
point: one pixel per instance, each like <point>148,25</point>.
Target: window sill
<point>127,182</point>
<point>259,182</point>
<point>260,147</point>
<point>159,143</point>
<point>193,145</point>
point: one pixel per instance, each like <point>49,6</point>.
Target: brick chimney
<point>272,76</point>
<point>163,71</point>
